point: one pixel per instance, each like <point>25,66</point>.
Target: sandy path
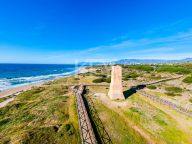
<point>2,104</point>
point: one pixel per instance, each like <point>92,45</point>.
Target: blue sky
<point>67,31</point>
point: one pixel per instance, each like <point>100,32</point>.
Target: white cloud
<point>169,43</point>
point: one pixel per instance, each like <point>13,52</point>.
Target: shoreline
<point>18,89</point>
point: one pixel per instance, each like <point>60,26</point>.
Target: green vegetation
<point>108,79</point>
<point>173,91</point>
<point>155,77</point>
<point>188,79</point>
<point>40,115</point>
<point>48,115</point>
<point>170,94</point>
<point>2,99</point>
<point>102,79</point>
<point>5,98</point>
<point>98,71</point>
<point>154,121</point>
<point>117,127</point>
<point>99,80</point>
<point>131,76</point>
<point>179,69</point>
<point>101,75</point>
<point>151,87</point>
<point>146,68</point>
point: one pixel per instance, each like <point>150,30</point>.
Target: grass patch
<point>170,94</point>
<point>2,100</point>
<point>102,79</point>
<point>147,68</point>
<point>117,128</point>
<point>40,115</point>
<point>179,69</point>
<point>159,120</point>
<point>131,76</point>
<point>151,87</point>
<point>188,79</point>
<point>99,80</point>
<point>173,91</point>
<point>164,128</point>
<point>136,110</point>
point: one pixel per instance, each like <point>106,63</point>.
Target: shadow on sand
<point>133,90</point>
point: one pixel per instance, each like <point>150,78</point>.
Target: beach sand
<point>19,89</point>
<point>15,91</point>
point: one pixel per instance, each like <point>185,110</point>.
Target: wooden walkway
<point>87,134</point>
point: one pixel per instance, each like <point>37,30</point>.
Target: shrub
<point>136,110</point>
<point>174,89</point>
<point>98,71</point>
<point>170,94</point>
<point>101,75</point>
<point>188,79</point>
<point>2,99</point>
<point>131,75</point>
<point>173,69</point>
<point>151,87</point>
<point>99,80</point>
<point>146,68</point>
<point>108,79</point>
<point>190,100</point>
<point>69,129</point>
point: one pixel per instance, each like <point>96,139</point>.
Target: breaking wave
<point>6,83</point>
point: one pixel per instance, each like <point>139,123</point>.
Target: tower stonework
<point>116,87</point>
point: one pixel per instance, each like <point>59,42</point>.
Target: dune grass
<point>116,127</point>
<point>155,121</point>
<point>188,79</point>
<point>40,115</point>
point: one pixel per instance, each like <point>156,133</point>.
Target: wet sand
<point>19,89</point>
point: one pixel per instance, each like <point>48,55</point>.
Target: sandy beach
<point>19,89</point>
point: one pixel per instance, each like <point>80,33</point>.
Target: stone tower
<point>116,87</point>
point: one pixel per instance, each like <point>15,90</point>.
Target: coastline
<point>18,89</point>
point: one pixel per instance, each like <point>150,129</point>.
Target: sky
<point>70,31</point>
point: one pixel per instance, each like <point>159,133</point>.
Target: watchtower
<point>116,86</point>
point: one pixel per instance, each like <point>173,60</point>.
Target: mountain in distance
<point>137,61</point>
<point>151,61</point>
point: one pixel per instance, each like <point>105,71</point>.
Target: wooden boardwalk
<point>87,134</point>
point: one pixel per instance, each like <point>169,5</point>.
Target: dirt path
<point>4,103</point>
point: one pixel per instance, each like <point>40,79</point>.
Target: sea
<point>14,75</point>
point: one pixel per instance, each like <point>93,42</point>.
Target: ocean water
<point>13,75</point>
